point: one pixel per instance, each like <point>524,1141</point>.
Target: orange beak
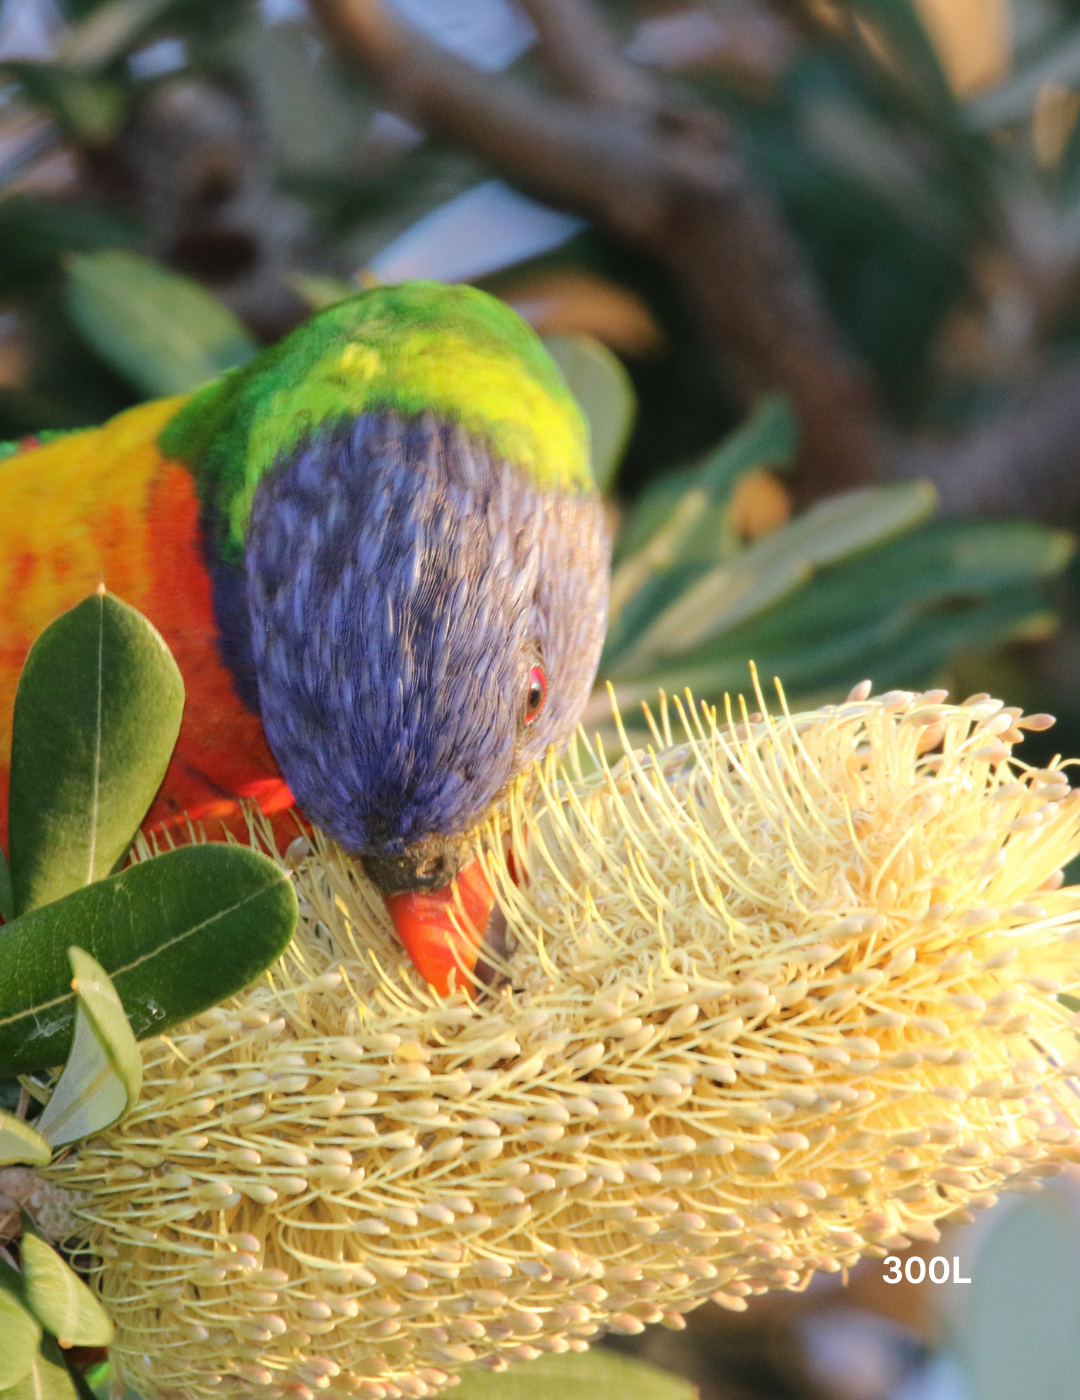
<point>443,930</point>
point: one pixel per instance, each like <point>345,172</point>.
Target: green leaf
<point>88,109</point>
<point>98,1379</point>
<point>89,1095</point>
<point>176,934</point>
<point>59,1299</point>
<point>48,1378</point>
<point>871,153</point>
<point>20,1143</point>
<point>105,1013</point>
<point>320,291</point>
<point>7,902</point>
<point>902,648</point>
<point>20,1336</point>
<point>903,28</point>
<point>34,232</point>
<point>769,438</point>
<point>97,713</point>
<point>652,509</point>
<point>686,532</point>
<point>946,561</point>
<point>163,332</point>
<point>677,536</point>
<point>603,389</point>
<point>108,32</point>
<point>103,1076</point>
<point>590,1375</point>
<point>775,566</point>
<point>11,1281</point>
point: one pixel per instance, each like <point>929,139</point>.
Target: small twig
<point>660,176</point>
<point>579,52</point>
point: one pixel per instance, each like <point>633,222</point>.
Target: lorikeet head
<point>411,577</point>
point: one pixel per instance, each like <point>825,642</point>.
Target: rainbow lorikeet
<point>379,558</point>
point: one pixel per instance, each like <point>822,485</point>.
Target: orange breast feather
<point>104,506</point>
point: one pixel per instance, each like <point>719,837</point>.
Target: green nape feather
<point>451,350</point>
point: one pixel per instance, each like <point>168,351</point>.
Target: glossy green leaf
<point>589,1375</point>
<point>97,713</point>
<point>20,1336</point>
<point>7,902</point>
<point>21,1143</point>
<point>163,332</point>
<point>775,566</point>
<point>59,1299</point>
<point>176,934</point>
<point>603,389</point>
<point>103,1075</point>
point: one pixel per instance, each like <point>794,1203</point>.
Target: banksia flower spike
<point>781,993</point>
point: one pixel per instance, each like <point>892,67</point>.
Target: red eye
<point>537,693</point>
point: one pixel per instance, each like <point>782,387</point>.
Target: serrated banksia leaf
<point>781,994</point>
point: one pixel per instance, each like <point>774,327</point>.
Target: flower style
<point>781,992</point>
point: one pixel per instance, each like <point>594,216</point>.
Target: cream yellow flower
<point>782,993</point>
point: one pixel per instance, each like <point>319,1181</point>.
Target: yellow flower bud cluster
<point>782,993</point>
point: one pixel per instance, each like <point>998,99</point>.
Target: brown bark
<point>661,176</point>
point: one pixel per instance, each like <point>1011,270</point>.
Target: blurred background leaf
<point>603,389</point>
<point>161,331</point>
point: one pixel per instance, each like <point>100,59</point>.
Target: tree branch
<point>662,178</point>
<point>579,52</point>
<point>1024,462</point>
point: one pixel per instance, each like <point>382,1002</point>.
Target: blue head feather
<point>401,583</point>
